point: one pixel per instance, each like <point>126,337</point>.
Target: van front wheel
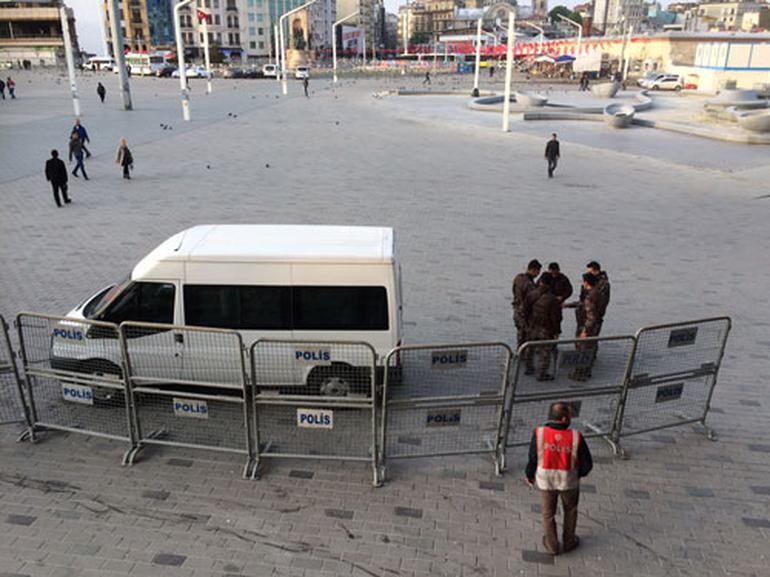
<point>330,381</point>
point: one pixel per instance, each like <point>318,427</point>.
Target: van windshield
<point>94,308</point>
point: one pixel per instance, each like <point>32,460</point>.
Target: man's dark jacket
<point>56,171</point>
<point>552,149</point>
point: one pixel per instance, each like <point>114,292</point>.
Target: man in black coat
<point>552,154</point>
<point>56,174</point>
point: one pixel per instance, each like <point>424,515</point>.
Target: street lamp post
<point>579,27</point>
<point>180,59</point>
<point>509,68</point>
<point>283,44</point>
<point>475,92</point>
<point>65,28</point>
<point>206,56</point>
<point>536,27</point>
<point>278,55</point>
<point>334,41</point>
<point>120,57</point>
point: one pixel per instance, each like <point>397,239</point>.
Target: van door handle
<point>178,338</point>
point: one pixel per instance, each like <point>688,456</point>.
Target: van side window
<point>339,308</point>
<point>143,302</point>
<point>238,307</point>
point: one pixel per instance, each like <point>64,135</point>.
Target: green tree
<point>553,15</point>
<point>419,38</point>
<point>215,54</point>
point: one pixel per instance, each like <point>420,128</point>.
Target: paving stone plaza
<point>679,223</point>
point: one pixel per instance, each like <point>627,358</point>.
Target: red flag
<point>203,15</point>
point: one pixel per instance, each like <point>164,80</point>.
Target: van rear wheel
<point>338,380</point>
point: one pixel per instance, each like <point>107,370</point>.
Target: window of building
<point>216,3</point>
<point>201,37</point>
<point>261,31</point>
<point>207,3</point>
<point>252,45</point>
<point>217,20</point>
<point>251,17</point>
<point>252,31</point>
<point>260,17</point>
<point>261,45</point>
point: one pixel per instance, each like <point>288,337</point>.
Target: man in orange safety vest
<point>558,458</point>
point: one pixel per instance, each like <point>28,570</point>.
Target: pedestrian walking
<point>306,85</point>
<point>544,323</point>
<point>124,158</point>
<point>523,283</point>
<point>2,88</point>
<point>552,154</point>
<point>491,70</point>
<point>558,458</point>
<point>83,135</point>
<point>101,91</point>
<point>11,87</point>
<point>76,151</point>
<point>56,174</point>
<point>426,80</point>
<point>562,288</point>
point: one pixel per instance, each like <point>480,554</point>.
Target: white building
<point>256,29</point>
<point>610,16</point>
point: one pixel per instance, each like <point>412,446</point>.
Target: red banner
<point>203,15</point>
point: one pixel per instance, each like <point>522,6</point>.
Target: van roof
<point>273,243</point>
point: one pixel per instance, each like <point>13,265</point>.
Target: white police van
<point>311,283</point>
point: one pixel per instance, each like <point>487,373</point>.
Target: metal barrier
<point>673,375</point>
<point>588,373</point>
<point>13,407</point>
<point>314,400</point>
<point>187,388</point>
<point>443,400</point>
<point>74,376</point>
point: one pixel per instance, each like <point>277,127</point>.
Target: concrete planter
<point>605,90</point>
<point>619,115</point>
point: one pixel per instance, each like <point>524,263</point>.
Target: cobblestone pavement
<point>679,223</point>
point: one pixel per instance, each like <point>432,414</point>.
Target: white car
<point>302,72</point>
<point>270,71</point>
<point>666,82</point>
<point>643,80</point>
<point>192,72</point>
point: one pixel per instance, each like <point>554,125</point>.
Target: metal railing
<point>441,400</point>
<point>589,373</point>
<point>672,377</point>
<point>187,388</point>
<point>74,376</point>
<point>314,400</point>
<point>13,406</point>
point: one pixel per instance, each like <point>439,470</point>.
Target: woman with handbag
<point>124,158</point>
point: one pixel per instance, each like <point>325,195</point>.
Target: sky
<point>88,18</point>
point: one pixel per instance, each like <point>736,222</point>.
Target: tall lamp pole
<point>65,28</point>
<point>579,27</point>
<point>283,44</point>
<point>478,59</point>
<point>204,17</point>
<point>180,59</point>
<point>538,28</point>
<point>334,41</point>
<point>120,57</point>
<point>509,68</point>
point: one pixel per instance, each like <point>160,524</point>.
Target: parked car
<point>192,72</point>
<point>667,82</point>
<point>165,72</point>
<point>646,78</point>
<point>301,72</point>
<point>270,71</point>
<point>253,73</point>
<point>233,73</point>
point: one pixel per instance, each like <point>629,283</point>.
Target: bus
<point>147,63</point>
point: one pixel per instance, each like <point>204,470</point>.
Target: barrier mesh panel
<point>11,409</point>
<point>589,373</point>
<point>444,400</point>
<point>73,374</point>
<point>673,374</point>
<point>187,386</point>
<point>314,399</point>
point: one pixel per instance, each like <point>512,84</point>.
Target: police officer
<point>590,316</point>
<point>522,284</point>
<point>544,323</point>
<point>562,288</point>
<point>603,281</point>
<point>558,458</point>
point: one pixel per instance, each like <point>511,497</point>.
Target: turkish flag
<point>202,15</point>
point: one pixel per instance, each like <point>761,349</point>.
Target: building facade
<point>613,16</point>
<point>32,32</point>
<point>134,25</point>
<point>726,15</point>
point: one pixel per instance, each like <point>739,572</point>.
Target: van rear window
<point>323,308</point>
